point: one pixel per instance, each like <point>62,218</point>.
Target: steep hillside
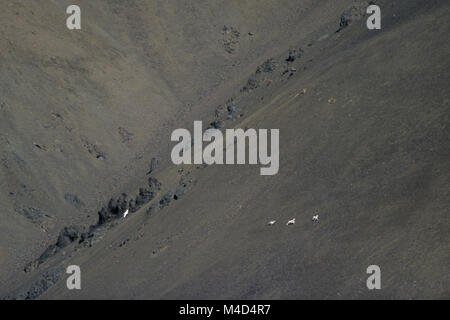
<point>363,118</point>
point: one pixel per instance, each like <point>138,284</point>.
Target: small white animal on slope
<point>272,222</point>
<point>125,213</point>
<point>290,222</point>
<point>315,218</point>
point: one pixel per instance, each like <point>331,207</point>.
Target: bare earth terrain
<point>85,124</point>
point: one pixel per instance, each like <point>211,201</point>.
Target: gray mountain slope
<point>364,142</point>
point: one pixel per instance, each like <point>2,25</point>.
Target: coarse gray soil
<point>85,123</point>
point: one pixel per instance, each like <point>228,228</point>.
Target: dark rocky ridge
<point>371,166</point>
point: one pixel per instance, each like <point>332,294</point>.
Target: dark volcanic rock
<point>252,84</point>
<point>144,197</point>
<point>352,14</point>
<point>42,284</point>
<point>74,200</point>
<point>268,66</point>
<point>230,39</point>
<point>132,205</point>
<point>179,192</point>
<point>153,164</point>
<point>154,184</point>
<point>166,199</point>
<point>33,214</point>
<point>217,124</point>
<point>66,237</point>
<point>115,208</point>
<point>231,108</point>
<point>294,54</point>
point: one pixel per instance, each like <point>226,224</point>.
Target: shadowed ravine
<point>86,118</point>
